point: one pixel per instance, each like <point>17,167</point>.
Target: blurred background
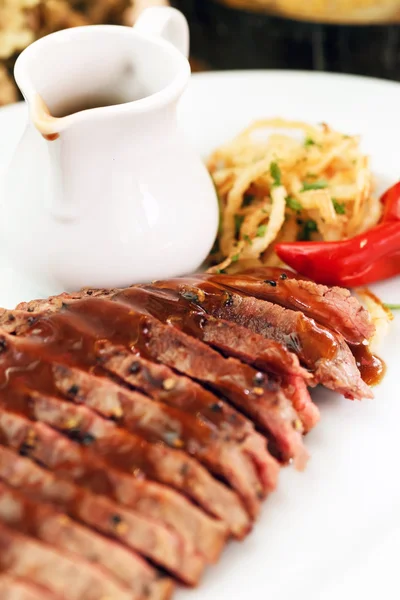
<point>347,36</point>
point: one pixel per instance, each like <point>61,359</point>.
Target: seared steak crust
<point>140,427</point>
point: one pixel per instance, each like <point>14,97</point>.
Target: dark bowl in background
<point>227,38</point>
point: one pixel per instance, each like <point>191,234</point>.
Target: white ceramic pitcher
<point>103,189</point>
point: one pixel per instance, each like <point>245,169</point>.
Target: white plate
<point>333,531</point>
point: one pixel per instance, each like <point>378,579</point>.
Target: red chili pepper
<point>391,203</point>
<point>371,256</point>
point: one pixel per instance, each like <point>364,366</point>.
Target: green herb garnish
<point>309,142</point>
<point>392,306</point>
<point>235,258</point>
<point>339,207</point>
<point>238,223</point>
<point>261,229</point>
<point>293,204</point>
<point>310,227</point>
<point>275,173</point>
<point>320,184</point>
<point>247,239</point>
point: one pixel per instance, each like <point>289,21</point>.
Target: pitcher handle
<point>167,23</point>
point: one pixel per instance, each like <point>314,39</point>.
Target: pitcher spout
<point>47,125</point>
<point>82,74</point>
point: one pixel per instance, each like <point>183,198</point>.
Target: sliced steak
<point>57,571</point>
<point>128,455</point>
<point>333,307</point>
<point>266,355</point>
<point>322,351</point>
<point>56,488</point>
<point>371,367</point>
<point>50,525</point>
<point>12,588</point>
<point>231,459</point>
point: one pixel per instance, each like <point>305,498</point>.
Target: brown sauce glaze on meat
<point>309,344</point>
<point>321,350</point>
<point>67,338</point>
<point>171,307</point>
<point>333,307</point>
<point>105,320</point>
<point>293,292</point>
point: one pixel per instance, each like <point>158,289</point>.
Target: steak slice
<point>322,351</point>
<point>105,465</point>
<point>333,307</point>
<point>140,415</point>
<point>12,588</point>
<point>50,525</point>
<point>56,571</point>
